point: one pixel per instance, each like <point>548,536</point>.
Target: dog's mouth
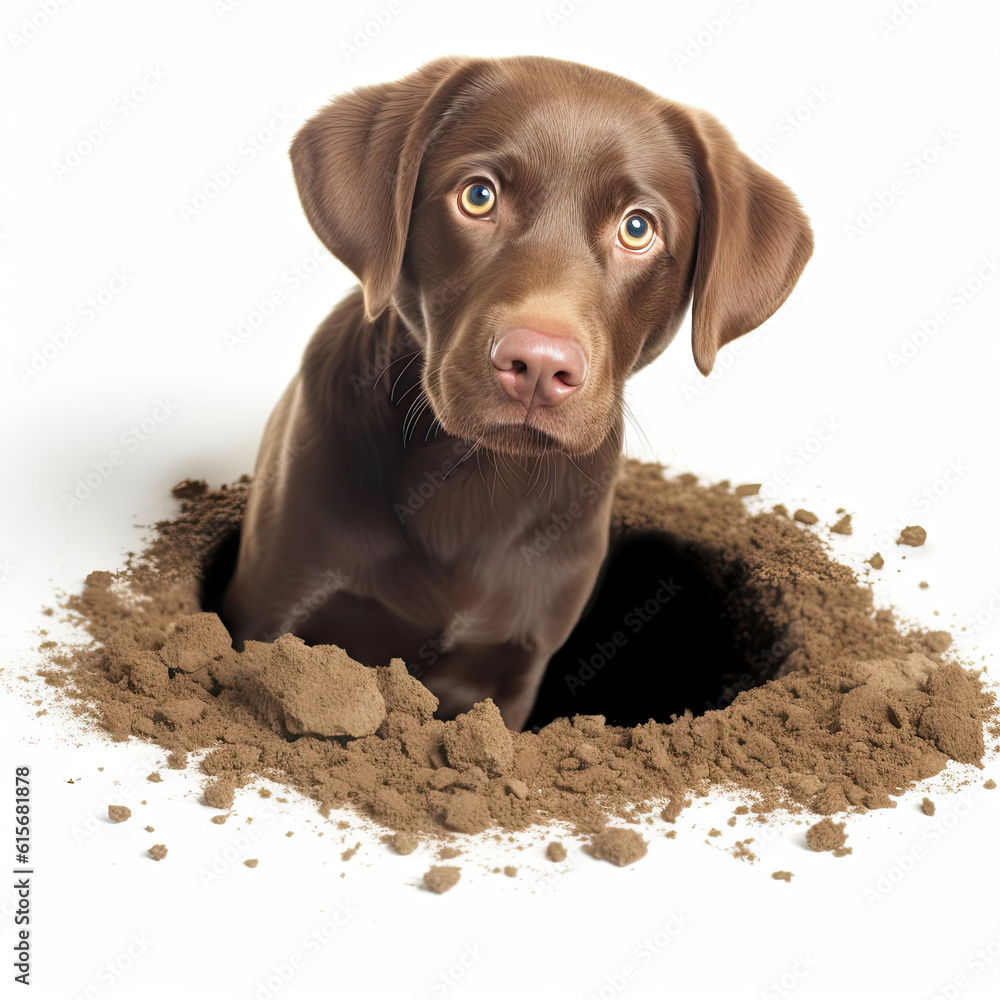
<point>520,439</point>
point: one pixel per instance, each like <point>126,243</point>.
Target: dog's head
<point>541,227</point>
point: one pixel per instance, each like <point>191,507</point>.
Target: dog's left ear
<point>356,164</point>
<point>753,241</point>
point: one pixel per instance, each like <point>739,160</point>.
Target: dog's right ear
<point>356,164</point>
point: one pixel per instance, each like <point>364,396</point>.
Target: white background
<point>903,443</point>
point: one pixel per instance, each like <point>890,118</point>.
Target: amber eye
<point>636,232</point>
<point>477,199</point>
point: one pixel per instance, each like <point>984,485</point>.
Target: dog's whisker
<point>392,391</point>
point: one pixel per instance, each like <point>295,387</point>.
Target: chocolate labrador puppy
<point>436,482</point>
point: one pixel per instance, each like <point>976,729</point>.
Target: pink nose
<point>538,369</point>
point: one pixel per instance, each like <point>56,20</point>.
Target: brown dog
<point>435,484</point>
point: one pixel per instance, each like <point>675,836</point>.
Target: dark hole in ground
<point>219,571</point>
<point>663,633</point>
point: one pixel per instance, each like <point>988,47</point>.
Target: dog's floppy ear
<point>356,164</point>
<point>753,240</point>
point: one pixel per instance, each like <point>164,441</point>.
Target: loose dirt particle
<point>440,878</point>
<point>843,526</point>
<point>157,852</point>
<point>782,876</point>
<point>826,835</point>
<point>913,535</point>
<point>876,561</point>
<point>620,847</point>
<point>404,843</point>
<point>251,862</point>
<point>555,851</point>
<point>714,832</point>
<point>805,516</point>
<point>154,776</point>
<point>220,793</point>
<point>748,490</point>
<point>220,819</point>
<point>510,871</point>
<point>927,807</point>
<point>149,829</point>
<point>924,584</point>
<point>118,814</point>
<point>990,784</point>
<point>447,853</point>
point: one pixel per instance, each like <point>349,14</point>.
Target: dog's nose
<point>538,369</point>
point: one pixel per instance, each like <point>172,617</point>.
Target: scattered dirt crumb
<point>876,561</point>
<point>843,526</point>
<point>826,835</point>
<point>805,516</point>
<point>118,814</point>
<point>149,829</point>
<point>714,832</point>
<point>404,843</point>
<point>924,584</point>
<point>782,876</point>
<point>154,776</point>
<point>441,878</point>
<point>447,853</point>
<point>157,852</point>
<point>620,847</point>
<point>913,535</point>
<point>990,784</point>
<point>748,490</point>
<point>510,871</point>
<point>555,851</point>
<point>927,807</point>
<point>220,819</point>
<point>251,862</point>
<point>350,852</point>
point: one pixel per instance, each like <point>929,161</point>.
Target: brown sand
<point>620,847</point>
<point>927,807</point>
<point>555,851</point>
<point>440,878</point>
<point>826,835</point>
<point>157,852</point>
<point>856,710</point>
<point>118,814</point>
<point>782,876</point>
<point>912,535</point>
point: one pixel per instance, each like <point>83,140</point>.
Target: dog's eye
<point>477,199</point>
<point>636,232</point>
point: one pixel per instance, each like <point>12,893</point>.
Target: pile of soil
<point>814,698</point>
